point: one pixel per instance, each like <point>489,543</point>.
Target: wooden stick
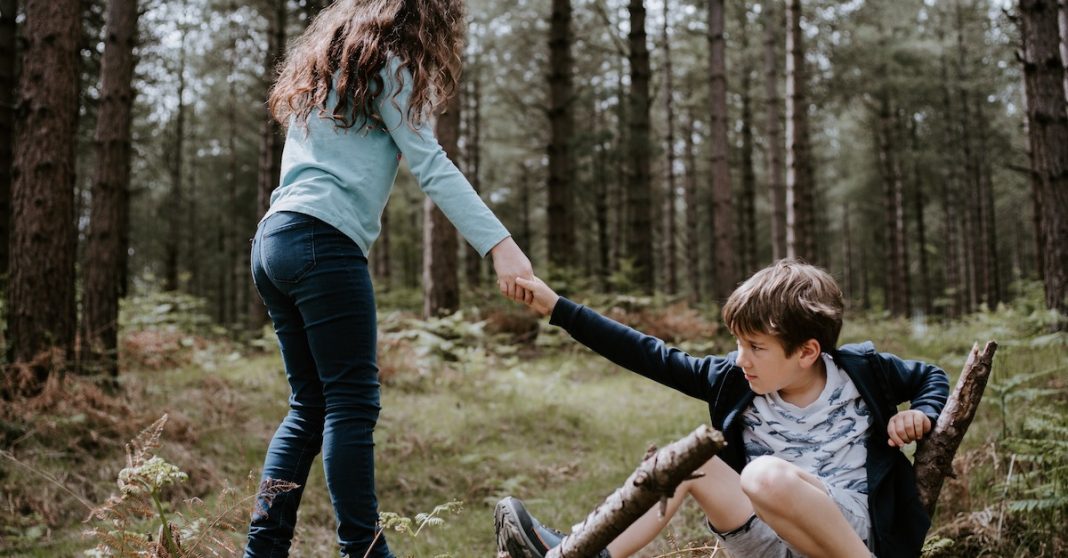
<point>934,457</point>
<point>656,479</point>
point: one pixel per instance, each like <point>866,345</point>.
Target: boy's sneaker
<point>522,536</point>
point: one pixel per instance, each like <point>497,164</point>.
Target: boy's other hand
<point>544,299</point>
<point>906,427</point>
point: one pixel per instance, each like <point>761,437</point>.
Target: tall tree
<point>671,197</point>
<point>724,260</point>
<point>271,139</point>
<point>8,46</point>
<point>747,199</point>
<point>1048,131</point>
<point>950,188</point>
<point>40,308</point>
<point>919,200</point>
<point>773,113</point>
<point>172,243</point>
<point>693,238</point>
<point>110,193</point>
<point>473,151</point>
<point>800,182</point>
<point>639,183</point>
<point>441,286</point>
<point>561,129</point>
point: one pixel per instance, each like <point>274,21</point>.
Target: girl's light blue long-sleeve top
<point>344,176</point>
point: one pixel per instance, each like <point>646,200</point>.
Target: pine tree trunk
<point>773,112</point>
<point>991,281</point>
<point>623,164</point>
<point>561,130</point>
<point>950,186</point>
<point>1062,21</point>
<point>172,243</point>
<point>639,185</point>
<point>919,208</point>
<point>904,284</point>
<point>693,239</point>
<point>526,241</point>
<point>1048,130</point>
<point>40,308</point>
<point>970,232</point>
<point>748,248</point>
<point>799,176</point>
<point>724,255</point>
<point>670,233</point>
<point>441,285</point>
<point>8,51</point>
<point>111,184</point>
<point>381,255</point>
<point>271,141</point>
<point>472,260</point>
<point>847,257</point>
<point>891,244</point>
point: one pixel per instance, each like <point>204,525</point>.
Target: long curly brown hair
<point>354,39</point>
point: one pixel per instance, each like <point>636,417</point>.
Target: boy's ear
<point>809,352</point>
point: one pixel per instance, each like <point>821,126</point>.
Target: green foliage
<point>411,527</point>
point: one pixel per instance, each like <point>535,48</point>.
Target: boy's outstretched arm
<point>626,346</point>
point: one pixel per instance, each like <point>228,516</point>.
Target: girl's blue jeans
<point>317,289</point>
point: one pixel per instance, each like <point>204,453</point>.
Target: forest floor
<point>475,408</point>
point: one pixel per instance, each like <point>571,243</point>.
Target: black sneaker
<point>522,536</point>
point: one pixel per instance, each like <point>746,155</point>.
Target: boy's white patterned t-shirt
<point>827,438</point>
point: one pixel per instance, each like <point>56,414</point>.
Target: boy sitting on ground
<point>813,464</point>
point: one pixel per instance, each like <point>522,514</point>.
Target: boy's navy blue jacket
<point>883,380</point>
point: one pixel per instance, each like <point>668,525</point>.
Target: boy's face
<point>766,366</point>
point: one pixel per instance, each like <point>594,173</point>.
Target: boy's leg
<point>719,494</point>
<point>796,505</point>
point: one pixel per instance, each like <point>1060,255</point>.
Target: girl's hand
<point>907,426</point>
<point>542,299</point>
<point>510,263</point>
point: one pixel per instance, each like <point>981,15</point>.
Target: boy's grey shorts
<point>755,539</point>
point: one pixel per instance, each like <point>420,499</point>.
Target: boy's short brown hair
<point>790,300</point>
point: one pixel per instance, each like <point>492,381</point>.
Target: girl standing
<point>356,92</point>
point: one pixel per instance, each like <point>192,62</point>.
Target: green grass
<point>552,424</point>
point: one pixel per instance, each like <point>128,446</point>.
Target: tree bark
<point>1048,130</point>
<point>776,188</point>
<point>800,218</point>
<point>639,185</point>
<point>561,130</point>
<point>271,140</point>
<point>693,239</point>
<point>8,53</point>
<point>919,201</point>
<point>747,200</point>
<point>970,233</point>
<point>725,263</point>
<point>991,280</point>
<point>472,259</point>
<point>441,285</point>
<point>110,193</point>
<point>896,301</point>
<point>670,219</point>
<point>1062,20</point>
<point>950,186</point>
<point>172,243</point>
<point>656,479</point>
<point>934,456</point>
<point>40,309</point>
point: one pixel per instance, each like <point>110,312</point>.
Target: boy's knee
<point>767,480</point>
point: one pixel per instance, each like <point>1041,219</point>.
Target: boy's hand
<point>544,299</point>
<point>907,426</point>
